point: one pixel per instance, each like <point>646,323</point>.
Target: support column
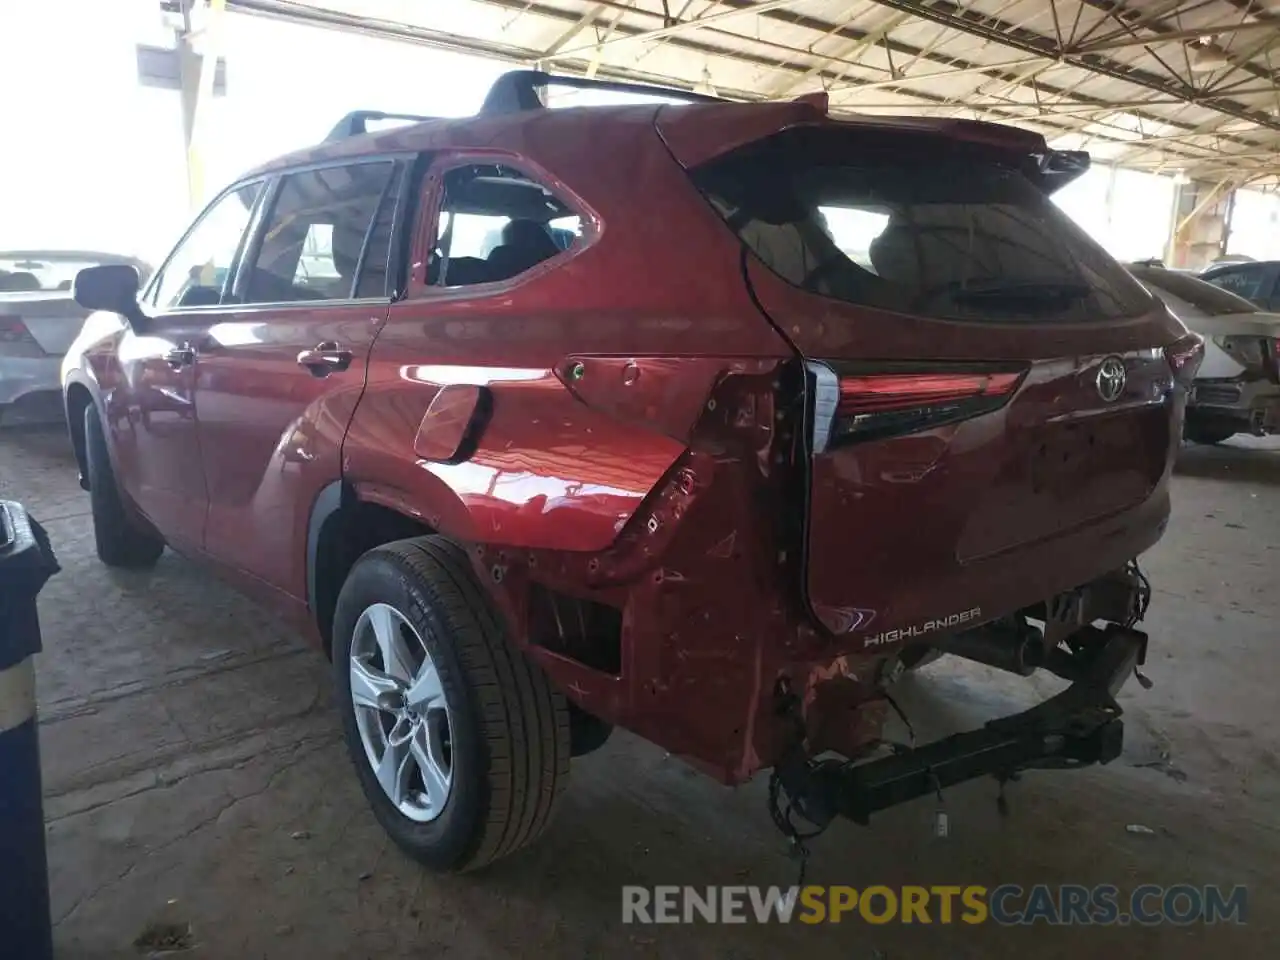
<point>197,44</point>
<point>1202,211</point>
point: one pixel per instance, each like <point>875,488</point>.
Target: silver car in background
<point>1237,389</point>
<point>39,320</point>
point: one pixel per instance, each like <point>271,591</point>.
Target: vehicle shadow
<point>1243,460</point>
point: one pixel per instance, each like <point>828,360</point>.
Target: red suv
<point>704,419</point>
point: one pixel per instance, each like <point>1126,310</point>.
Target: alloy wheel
<point>401,713</point>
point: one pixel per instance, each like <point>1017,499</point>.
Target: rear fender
<point>532,465</point>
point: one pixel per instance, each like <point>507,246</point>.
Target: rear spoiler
<point>1057,168</point>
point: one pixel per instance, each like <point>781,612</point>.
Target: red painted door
<point>271,429</point>
<point>150,415</point>
<point>150,409</point>
<point>279,377</point>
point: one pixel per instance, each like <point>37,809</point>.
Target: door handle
<point>324,359</point>
<point>179,357</point>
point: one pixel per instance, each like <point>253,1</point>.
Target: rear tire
<point>508,730</point>
<point>119,539</point>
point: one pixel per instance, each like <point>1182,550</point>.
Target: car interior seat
<point>524,244</point>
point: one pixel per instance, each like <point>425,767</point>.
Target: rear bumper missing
<point>1078,727</point>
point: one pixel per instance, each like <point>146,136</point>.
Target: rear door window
<point>950,234</point>
<point>316,234</point>
<point>495,223</point>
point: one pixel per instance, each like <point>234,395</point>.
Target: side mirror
<point>111,287</point>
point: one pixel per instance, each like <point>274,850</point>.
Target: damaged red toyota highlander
<point>705,420</point>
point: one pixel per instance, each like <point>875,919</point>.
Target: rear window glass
<point>1205,297</point>
<point>945,233</point>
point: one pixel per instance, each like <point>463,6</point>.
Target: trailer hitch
<point>1079,726</point>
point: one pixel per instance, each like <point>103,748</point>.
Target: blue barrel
<point>26,562</point>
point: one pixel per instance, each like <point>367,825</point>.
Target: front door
<point>151,412</point>
<point>279,376</point>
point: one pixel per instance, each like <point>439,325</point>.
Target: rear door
<point>985,379</point>
<point>279,376</point>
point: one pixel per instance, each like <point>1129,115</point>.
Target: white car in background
<point>1237,389</point>
<point>39,319</point>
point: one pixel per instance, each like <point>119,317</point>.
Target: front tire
<point>423,667</point>
<point>119,540</point>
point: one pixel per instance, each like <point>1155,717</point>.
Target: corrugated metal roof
<point>1161,85</point>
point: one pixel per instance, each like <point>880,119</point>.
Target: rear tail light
<point>1184,357</point>
<point>860,404</point>
<point>16,339</point>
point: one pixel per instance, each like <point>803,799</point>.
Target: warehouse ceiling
<point>1185,86</point>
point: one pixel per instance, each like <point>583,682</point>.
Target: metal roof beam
<point>1189,34</point>
<point>845,53</point>
<point>1130,18</point>
<point>685,26</point>
<point>586,20</point>
<point>996,31</point>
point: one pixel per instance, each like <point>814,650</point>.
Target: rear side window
<point>495,223</point>
<point>944,233</point>
<point>316,232</point>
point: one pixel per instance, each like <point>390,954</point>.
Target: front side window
<point>949,234</point>
<point>495,223</point>
<point>314,235</point>
<point>197,272</point>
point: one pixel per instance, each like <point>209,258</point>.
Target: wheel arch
<point>341,528</point>
<point>76,398</point>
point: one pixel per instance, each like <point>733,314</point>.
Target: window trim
<point>433,192</point>
<point>251,238</point>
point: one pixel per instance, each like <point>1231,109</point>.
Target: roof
<point>514,119</point>
<point>1162,85</point>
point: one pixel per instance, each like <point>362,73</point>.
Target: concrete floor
<point>194,773</point>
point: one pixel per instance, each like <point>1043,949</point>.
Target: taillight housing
<point>1184,357</point>
<point>857,402</point>
<point>16,339</point>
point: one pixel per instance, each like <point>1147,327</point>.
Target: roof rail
<point>357,122</point>
<point>517,90</point>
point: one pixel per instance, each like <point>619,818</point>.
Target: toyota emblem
<point>1111,378</point>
